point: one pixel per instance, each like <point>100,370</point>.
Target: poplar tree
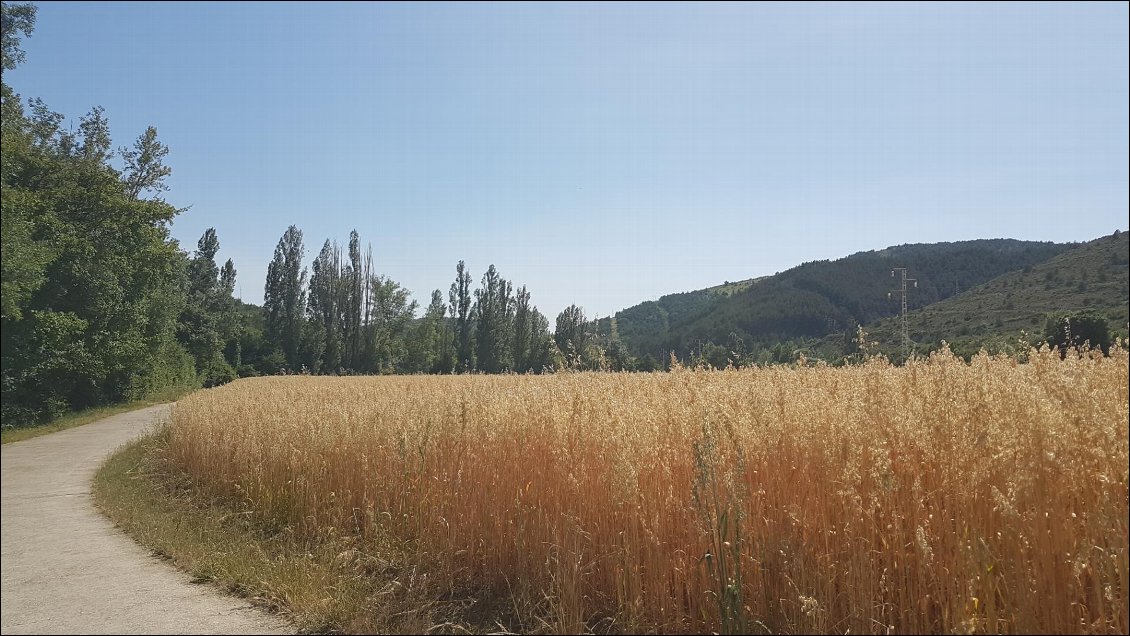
<point>493,319</point>
<point>522,330</point>
<point>571,334</point>
<point>284,298</point>
<point>324,310</point>
<point>459,297</point>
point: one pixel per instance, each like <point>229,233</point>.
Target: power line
<point>902,291</point>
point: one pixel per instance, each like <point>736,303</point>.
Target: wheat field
<point>941,496</point>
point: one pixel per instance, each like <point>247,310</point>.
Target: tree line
<point>340,316</point>
<point>100,304</point>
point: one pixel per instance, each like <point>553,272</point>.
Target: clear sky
<point>607,154</point>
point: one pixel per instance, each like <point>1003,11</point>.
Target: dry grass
<point>321,585</point>
<point>936,497</point>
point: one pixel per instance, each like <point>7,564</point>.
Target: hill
<point>818,298</point>
<point>1094,276</point>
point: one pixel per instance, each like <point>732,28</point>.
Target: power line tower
<point>902,292</point>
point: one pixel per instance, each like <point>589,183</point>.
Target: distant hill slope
<point>1094,275</point>
<point>821,297</point>
<point>643,322</point>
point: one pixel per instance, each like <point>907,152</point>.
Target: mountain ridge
<point>826,299</point>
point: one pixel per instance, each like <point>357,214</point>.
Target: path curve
<point>65,568</point>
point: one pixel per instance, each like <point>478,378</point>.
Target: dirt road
<point>67,569</point>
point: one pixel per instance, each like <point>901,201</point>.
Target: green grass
<point>327,584</point>
<point>86,416</point>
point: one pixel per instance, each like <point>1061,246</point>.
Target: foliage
<point>460,298</point>
<point>284,297</point>
<point>17,18</point>
<point>99,304</point>
<point>1075,330</point>
<point>494,321</point>
<point>91,278</point>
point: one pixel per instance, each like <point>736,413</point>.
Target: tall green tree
<point>145,165</point>
<point>230,323</point>
<point>390,312</point>
<point>445,348</point>
<point>325,308</point>
<point>92,282</point>
<point>204,324</point>
<point>354,298</point>
<point>95,131</point>
<point>543,354</point>
<point>26,211</point>
<point>572,334</point>
<point>14,20</point>
<point>494,315</point>
<point>523,336</point>
<point>459,297</point>
<point>425,350</point>
<point>284,297</point>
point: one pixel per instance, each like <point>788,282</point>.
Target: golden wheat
<point>941,496</point>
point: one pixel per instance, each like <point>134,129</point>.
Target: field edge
<point>330,584</point>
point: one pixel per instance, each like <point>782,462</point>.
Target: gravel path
<point>65,568</point>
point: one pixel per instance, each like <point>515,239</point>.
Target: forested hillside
<point>818,298</point>
<point>1092,277</point>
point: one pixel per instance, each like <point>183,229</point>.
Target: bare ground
<point>65,568</point>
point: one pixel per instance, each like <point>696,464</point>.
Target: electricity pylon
<point>902,291</point>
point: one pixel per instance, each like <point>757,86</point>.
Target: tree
<point>544,354</point>
<point>425,349</point>
<point>230,325</point>
<point>522,330</point>
<point>26,252</point>
<point>493,321</point>
<point>92,283</point>
<point>324,303</point>
<point>284,297</point>
<point>198,328</point>
<point>571,334</point>
<point>445,345</point>
<point>145,165</point>
<point>95,130</point>
<point>354,295</point>
<point>1075,329</point>
<point>619,358</point>
<point>26,214</point>
<point>227,278</point>
<point>460,299</point>
<point>390,311</point>
<point>203,272</point>
<point>15,19</point>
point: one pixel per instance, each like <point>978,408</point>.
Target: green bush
<point>218,372</point>
<point>1075,330</point>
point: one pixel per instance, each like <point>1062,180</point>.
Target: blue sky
<point>607,154</point>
